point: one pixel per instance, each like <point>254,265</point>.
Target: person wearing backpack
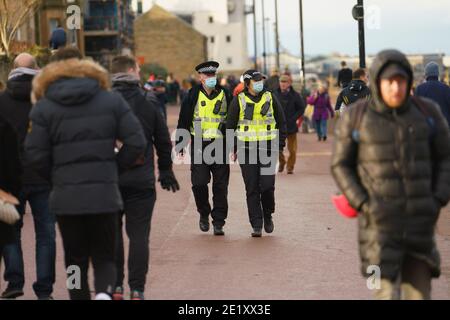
<point>391,160</point>
<point>357,89</point>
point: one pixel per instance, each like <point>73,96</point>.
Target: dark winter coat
<point>438,92</point>
<point>75,126</point>
<point>10,171</point>
<point>293,107</point>
<point>356,90</point>
<point>15,106</point>
<point>397,173</point>
<point>344,77</point>
<point>156,133</point>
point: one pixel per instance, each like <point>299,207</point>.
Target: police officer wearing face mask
<point>203,113</point>
<point>258,120</point>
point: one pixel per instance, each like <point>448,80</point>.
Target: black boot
<point>268,224</point>
<point>257,232</point>
<point>204,224</point>
<point>218,231</point>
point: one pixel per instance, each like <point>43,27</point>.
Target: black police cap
<point>207,67</point>
<point>253,75</point>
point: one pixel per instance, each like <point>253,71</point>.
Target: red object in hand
<point>344,208</point>
<point>299,122</point>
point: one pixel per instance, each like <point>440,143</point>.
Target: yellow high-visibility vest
<point>261,127</point>
<point>206,119</point>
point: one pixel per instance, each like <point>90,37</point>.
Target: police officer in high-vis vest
<point>257,117</point>
<point>203,113</point>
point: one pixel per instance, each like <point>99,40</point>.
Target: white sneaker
<point>102,296</point>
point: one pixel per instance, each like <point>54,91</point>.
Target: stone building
<point>163,38</point>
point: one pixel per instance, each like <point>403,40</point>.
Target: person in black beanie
<point>435,90</point>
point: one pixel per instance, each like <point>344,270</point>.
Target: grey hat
<point>432,70</point>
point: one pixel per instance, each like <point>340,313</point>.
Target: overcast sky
<point>413,26</point>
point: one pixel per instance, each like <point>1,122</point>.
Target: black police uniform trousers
<point>201,177</point>
<point>259,187</point>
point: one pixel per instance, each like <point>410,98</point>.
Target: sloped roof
<point>159,13</point>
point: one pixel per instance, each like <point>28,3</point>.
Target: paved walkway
<point>312,253</point>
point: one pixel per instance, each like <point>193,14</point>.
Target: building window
<point>211,19</point>
<point>212,39</point>
<point>229,60</point>
<point>228,39</point>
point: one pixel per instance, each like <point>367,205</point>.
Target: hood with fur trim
<point>70,82</point>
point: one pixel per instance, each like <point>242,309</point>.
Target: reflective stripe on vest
<point>260,128</point>
<point>204,118</point>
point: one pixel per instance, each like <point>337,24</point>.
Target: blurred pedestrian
<point>75,125</point>
<point>160,91</point>
<point>344,75</point>
<point>273,83</point>
<point>173,88</point>
<point>58,38</point>
<point>435,90</point>
<point>185,87</point>
<point>293,107</point>
<point>66,53</point>
<point>357,89</point>
<point>10,172</point>
<point>322,111</point>
<point>137,185</point>
<point>239,88</point>
<point>15,106</point>
<point>391,160</point>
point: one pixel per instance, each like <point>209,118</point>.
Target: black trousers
<point>200,177</point>
<point>138,210</point>
<point>201,173</point>
<point>260,191</point>
<point>90,237</point>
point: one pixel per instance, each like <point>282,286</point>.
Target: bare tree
<point>13,14</point>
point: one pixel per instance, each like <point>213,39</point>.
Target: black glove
<point>168,181</point>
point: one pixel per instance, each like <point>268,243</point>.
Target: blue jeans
<point>321,128</point>
<point>44,226</point>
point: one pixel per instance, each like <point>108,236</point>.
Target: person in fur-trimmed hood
<point>75,126</point>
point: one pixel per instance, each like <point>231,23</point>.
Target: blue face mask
<point>211,82</point>
<point>258,86</point>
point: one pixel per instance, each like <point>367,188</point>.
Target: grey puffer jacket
<point>397,174</point>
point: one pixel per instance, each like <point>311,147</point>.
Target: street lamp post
<point>301,43</point>
<point>277,36</point>
<point>264,37</point>
<point>255,39</point>
<point>358,14</point>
